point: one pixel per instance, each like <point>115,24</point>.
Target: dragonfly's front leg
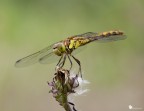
<point>59,61</point>
<point>70,62</point>
<point>78,64</point>
<point>63,62</point>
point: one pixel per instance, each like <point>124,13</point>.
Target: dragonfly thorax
<point>59,49</point>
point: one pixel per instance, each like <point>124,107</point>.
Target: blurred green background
<point>115,70</point>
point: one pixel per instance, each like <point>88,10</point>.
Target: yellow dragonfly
<point>64,48</point>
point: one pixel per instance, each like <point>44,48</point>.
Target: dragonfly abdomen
<point>111,33</point>
<point>108,36</point>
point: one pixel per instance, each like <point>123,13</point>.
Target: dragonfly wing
<point>87,34</point>
<point>110,38</point>
<point>105,36</point>
<point>49,58</point>
<point>33,58</point>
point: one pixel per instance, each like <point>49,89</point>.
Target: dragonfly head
<point>59,48</point>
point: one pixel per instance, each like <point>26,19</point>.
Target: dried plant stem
<point>65,103</point>
<point>61,86</point>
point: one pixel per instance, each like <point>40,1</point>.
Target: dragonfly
<point>64,48</point>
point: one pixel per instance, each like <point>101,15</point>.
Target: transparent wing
<point>110,38</point>
<point>87,34</point>
<point>49,58</point>
<point>104,36</point>
<point>34,58</point>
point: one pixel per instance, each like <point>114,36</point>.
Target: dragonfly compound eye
<point>55,46</point>
<point>58,49</point>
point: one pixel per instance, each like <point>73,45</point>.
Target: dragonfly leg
<point>61,64</point>
<point>59,61</point>
<point>78,64</point>
<point>70,62</point>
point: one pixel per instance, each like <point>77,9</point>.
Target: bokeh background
<point>115,70</point>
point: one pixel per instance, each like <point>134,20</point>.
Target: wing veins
<point>33,58</point>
